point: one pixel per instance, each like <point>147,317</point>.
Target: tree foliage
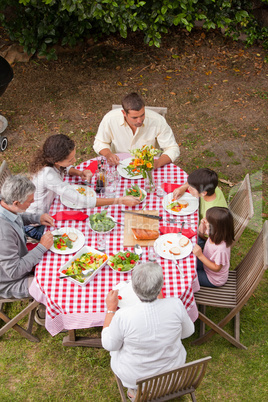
<point>43,23</point>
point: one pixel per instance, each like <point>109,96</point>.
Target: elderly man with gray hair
<point>16,263</point>
<point>145,338</point>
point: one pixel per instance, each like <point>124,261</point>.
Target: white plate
<point>192,207</point>
<point>143,192</point>
<point>76,205</point>
<point>108,231</point>
<point>129,297</point>
<point>76,245</point>
<point>162,246</point>
<point>83,250</point>
<point>121,169</point>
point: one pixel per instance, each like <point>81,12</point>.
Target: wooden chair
<point>13,322</point>
<point>241,207</point>
<point>4,173</point>
<point>240,285</point>
<point>169,384</point>
<point>160,110</point>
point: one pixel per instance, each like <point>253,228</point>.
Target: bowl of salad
<point>136,191</point>
<point>83,266</point>
<point>101,222</point>
<point>123,261</point>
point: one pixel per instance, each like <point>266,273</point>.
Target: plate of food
<point>79,192</point>
<point>67,240</point>
<point>185,205</point>
<point>172,245</point>
<point>126,295</point>
<point>136,191</point>
<point>121,168</point>
<point>101,222</point>
<point>83,266</point>
<point>123,261</point>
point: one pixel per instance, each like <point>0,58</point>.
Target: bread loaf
<point>145,234</point>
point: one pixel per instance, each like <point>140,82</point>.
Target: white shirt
<point>145,339</point>
<point>115,134</point>
<point>49,183</point>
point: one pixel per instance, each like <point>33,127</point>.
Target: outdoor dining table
<point>72,307</point>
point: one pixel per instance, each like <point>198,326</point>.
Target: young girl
<point>213,263</point>
<point>48,168</point>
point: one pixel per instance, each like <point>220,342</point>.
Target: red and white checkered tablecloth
<point>71,306</point>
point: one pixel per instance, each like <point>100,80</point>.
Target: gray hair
<point>16,188</point>
<point>147,281</point>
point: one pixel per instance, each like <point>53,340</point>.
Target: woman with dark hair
<point>55,159</point>
<point>145,339</point>
<point>213,263</point>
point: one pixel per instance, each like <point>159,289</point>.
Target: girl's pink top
<point>220,254</point>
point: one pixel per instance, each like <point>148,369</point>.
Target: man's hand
<point>47,240</point>
<point>111,158</point>
<point>46,220</point>
<point>86,175</point>
<point>162,161</point>
<point>112,300</point>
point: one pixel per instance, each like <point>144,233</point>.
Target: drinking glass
<point>151,254</point>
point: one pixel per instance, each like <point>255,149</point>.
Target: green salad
<point>100,222</point>
<point>62,242</point>
<point>135,191</point>
<point>123,261</point>
<point>85,262</point>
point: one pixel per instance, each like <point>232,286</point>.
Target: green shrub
<point>43,23</point>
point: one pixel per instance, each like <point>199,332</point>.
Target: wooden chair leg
<point>12,323</point>
<point>237,326</point>
<point>121,389</point>
<point>219,330</point>
<point>202,329</point>
<point>193,397</point>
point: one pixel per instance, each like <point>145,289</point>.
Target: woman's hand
<point>112,300</point>
<point>87,175</point>
<point>197,251</point>
<point>129,200</point>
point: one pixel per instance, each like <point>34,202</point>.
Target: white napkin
<point>129,297</point>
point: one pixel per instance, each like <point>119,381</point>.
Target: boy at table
<point>203,183</point>
<point>132,127</point>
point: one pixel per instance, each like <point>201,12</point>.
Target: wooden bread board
<point>140,222</point>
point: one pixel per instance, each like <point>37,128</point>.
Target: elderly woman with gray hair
<point>16,263</point>
<point>145,338</point>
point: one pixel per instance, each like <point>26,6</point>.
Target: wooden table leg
<point>72,340</point>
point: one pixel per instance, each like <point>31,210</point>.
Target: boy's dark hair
<point>132,101</point>
<point>203,179</point>
<point>221,225</point>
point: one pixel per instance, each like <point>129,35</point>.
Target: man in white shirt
<point>132,127</point>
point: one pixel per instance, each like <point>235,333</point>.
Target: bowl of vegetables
<point>101,222</point>
<point>123,261</point>
<point>83,266</point>
<point>136,191</point>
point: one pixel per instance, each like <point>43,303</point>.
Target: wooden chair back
<point>241,207</point>
<point>169,384</point>
<point>160,110</point>
<point>4,173</point>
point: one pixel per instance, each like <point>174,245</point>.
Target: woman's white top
<point>145,339</point>
<point>49,183</point>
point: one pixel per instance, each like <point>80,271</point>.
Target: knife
<point>145,215</point>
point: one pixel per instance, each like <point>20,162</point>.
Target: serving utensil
<point>138,249</point>
<point>85,273</point>
<point>144,215</point>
